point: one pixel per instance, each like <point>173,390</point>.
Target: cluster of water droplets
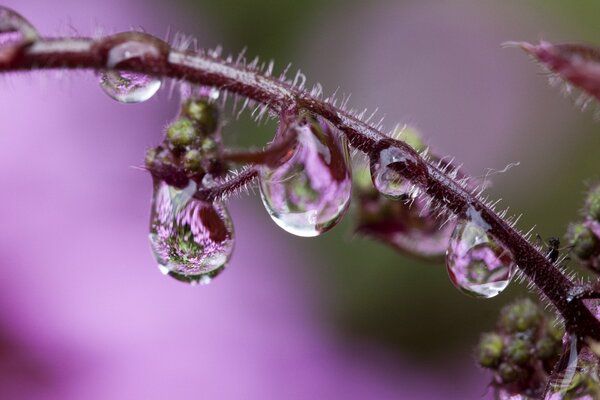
<point>478,263</point>
<point>128,86</point>
<point>309,191</point>
<point>15,31</point>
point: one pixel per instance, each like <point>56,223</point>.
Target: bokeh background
<point>84,312</point>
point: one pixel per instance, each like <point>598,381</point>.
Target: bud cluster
<point>584,236</point>
<point>190,148</point>
<point>523,349</point>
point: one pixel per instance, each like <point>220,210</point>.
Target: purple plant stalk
<point>284,98</point>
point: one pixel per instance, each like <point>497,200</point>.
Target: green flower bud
<point>511,373</point>
<point>412,137</point>
<point>209,147</point>
<point>592,203</point>
<point>585,242</point>
<point>490,350</point>
<point>157,155</point>
<point>518,351</point>
<point>181,132</point>
<point>204,115</point>
<point>192,161</point>
<point>520,316</point>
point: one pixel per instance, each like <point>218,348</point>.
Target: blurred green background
<point>362,289</point>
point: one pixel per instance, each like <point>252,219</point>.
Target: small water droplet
<point>126,86</point>
<point>310,192</point>
<point>387,180</point>
<point>192,240</point>
<point>15,30</point>
<point>478,264</point>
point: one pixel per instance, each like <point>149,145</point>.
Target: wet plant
<point>406,195</point>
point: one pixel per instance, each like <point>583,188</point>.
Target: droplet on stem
<point>310,191</point>
<point>478,264</point>
<point>192,240</point>
<point>408,224</point>
<point>127,86</point>
<point>15,30</point>
<point>386,178</point>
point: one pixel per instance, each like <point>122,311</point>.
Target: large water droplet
<point>14,29</point>
<point>386,179</point>
<point>310,192</point>
<point>191,240</point>
<point>125,86</point>
<point>478,264</point>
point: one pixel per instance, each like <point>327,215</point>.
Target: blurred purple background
<point>84,312</point>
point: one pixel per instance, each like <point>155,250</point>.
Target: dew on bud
<point>191,240</point>
<point>15,30</point>
<point>310,191</point>
<point>126,86</point>
<point>478,264</point>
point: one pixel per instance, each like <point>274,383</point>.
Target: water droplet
<point>192,240</point>
<point>408,225</point>
<point>386,179</point>
<point>310,192</point>
<point>576,375</point>
<point>15,30</point>
<point>126,86</point>
<point>478,264</point>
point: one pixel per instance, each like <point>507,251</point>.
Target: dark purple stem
<point>84,53</point>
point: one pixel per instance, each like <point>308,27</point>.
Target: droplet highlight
<point>126,86</point>
<point>477,263</point>
<point>15,30</point>
<point>310,191</point>
<point>191,240</point>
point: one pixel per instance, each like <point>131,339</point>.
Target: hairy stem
<point>279,95</point>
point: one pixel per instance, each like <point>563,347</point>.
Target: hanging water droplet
<point>310,192</point>
<point>478,264</point>
<point>15,30</point>
<point>126,86</point>
<point>386,179</point>
<point>191,240</point>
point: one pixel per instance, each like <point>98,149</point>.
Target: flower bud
<point>520,316</point>
<point>181,132</point>
<point>490,350</point>
<point>204,115</point>
<point>518,350</point>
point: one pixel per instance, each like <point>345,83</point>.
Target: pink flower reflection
<point>84,313</point>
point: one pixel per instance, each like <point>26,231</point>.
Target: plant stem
<point>278,95</point>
